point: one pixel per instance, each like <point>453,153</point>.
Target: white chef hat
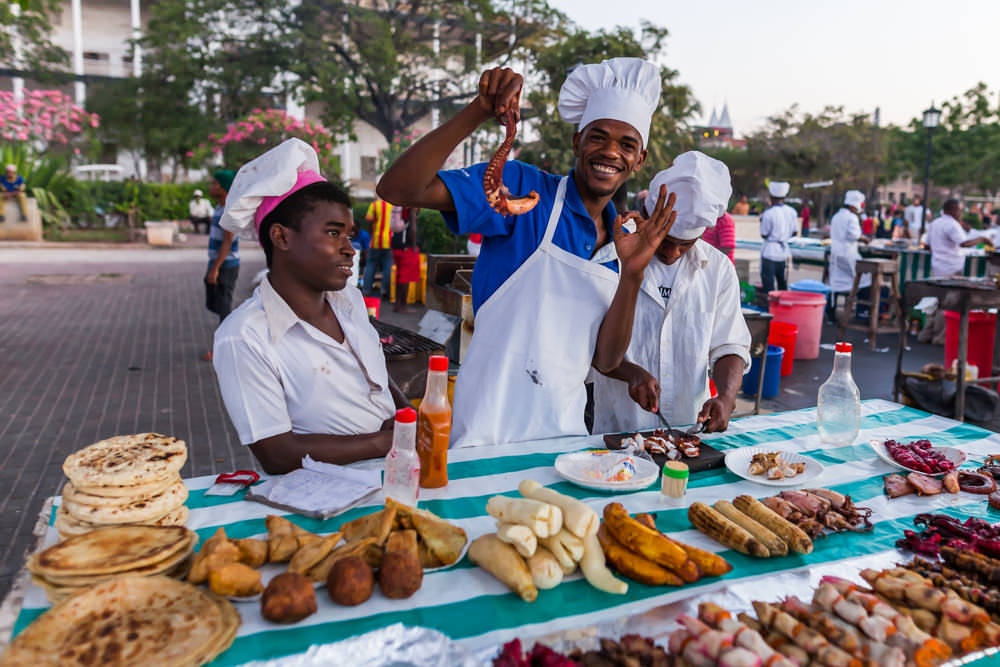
<point>625,89</point>
<point>265,181</point>
<point>854,198</point>
<point>198,193</point>
<point>778,188</point>
<point>702,186</point>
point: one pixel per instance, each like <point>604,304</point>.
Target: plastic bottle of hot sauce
<point>434,426</point>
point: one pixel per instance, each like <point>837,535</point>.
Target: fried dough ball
<point>401,574</point>
<point>351,581</point>
<point>288,598</point>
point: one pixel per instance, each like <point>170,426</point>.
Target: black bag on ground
<point>938,396</point>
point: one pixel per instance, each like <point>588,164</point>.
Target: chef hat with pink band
<point>266,181</point>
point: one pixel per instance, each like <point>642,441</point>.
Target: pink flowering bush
<point>43,119</point>
<point>264,129</point>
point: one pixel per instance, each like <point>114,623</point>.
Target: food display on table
<point>969,481</point>
<point>630,651</point>
<point>669,445</point>
<point>151,620</point>
<point>941,530</point>
<point>773,465</point>
<point>817,511</point>
<point>127,479</point>
<point>637,550</point>
<point>607,470</point>
<point>104,554</point>
<point>749,526</point>
<point>921,456</point>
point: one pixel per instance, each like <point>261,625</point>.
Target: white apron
<point>845,229</point>
<point>523,374</point>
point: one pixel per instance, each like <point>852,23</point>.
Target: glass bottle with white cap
<point>838,405</point>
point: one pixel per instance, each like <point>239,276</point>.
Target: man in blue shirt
<point>13,187</point>
<point>545,279</point>
<point>223,253</point>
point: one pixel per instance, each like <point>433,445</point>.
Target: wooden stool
<point>884,272</point>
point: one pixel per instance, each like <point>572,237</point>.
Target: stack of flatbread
<point>104,554</point>
<point>127,479</point>
<point>130,621</point>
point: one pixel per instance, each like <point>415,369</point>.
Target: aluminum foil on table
<point>392,646</point>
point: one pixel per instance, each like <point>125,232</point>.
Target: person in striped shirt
<point>380,214</point>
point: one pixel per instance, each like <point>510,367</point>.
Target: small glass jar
<point>675,479</point>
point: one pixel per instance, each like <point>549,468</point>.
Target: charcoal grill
<point>406,356</point>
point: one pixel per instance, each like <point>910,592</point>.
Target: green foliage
<point>433,235</point>
<point>32,22</point>
<point>669,133</point>
<point>96,203</point>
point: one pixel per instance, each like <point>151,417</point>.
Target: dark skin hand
<point>715,413</point>
<point>635,251</point>
<point>308,262</point>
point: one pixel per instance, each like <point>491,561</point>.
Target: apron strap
<point>550,227</point>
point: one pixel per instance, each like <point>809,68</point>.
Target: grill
<point>406,356</point>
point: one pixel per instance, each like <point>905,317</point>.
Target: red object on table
<point>373,304</point>
<point>982,326</point>
<point>244,477</point>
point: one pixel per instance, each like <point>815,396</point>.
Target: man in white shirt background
<point>912,214</point>
<point>778,224</point>
<point>687,323</point>
<point>300,367</point>
<point>200,210</point>
<point>946,236</point>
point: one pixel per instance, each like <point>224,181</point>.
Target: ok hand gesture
<point>635,250</point>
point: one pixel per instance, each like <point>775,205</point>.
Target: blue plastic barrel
<point>772,375</point>
<point>810,285</point>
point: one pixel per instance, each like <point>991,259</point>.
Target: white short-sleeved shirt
<point>277,373</point>
<point>778,224</point>
<point>945,236</point>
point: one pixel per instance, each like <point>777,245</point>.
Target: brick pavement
<point>84,356</point>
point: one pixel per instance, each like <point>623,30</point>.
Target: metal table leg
<point>760,382</point>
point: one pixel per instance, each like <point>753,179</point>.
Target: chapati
<point>137,510</point>
<point>69,526</point>
<point>99,495</point>
<point>126,460</point>
<point>111,549</point>
<point>131,621</point>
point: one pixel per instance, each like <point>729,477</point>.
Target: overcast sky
<point>762,57</point>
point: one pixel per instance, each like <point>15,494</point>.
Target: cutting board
<point>708,459</point>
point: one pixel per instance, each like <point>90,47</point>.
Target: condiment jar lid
<point>676,470</point>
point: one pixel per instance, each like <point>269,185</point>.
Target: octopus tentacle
<point>497,194</point>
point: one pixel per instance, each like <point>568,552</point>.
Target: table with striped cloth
<point>472,607</point>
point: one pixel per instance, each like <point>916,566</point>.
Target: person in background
<point>845,232</point>
<point>898,225</point>
<point>742,207</point>
<point>722,236</point>
<point>406,257</point>
<point>946,237</point>
<point>360,240</point>
<point>883,225</point>
<point>223,253</point>
<point>777,225</point>
<point>912,214</point>
<point>380,215</point>
<point>868,223</point>
<point>200,212</point>
<point>300,366</point>
<point>12,186</point>
<point>804,214</point>
<point>666,361</point>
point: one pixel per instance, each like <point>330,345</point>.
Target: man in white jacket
<point>688,323</point>
<point>845,232</point>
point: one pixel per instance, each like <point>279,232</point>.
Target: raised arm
<point>412,179</point>
<point>635,251</point>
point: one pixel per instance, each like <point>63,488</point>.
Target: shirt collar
<point>281,317</point>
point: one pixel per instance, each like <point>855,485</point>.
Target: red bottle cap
<point>438,362</point>
<point>844,347</point>
<point>406,415</point>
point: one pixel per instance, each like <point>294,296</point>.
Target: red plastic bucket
<point>783,334</point>
<point>373,304</point>
<point>805,310</point>
<point>982,326</point>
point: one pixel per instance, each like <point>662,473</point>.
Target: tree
<point>26,25</point>
<point>553,150</point>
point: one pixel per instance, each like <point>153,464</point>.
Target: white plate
<point>738,462</point>
<point>572,467</point>
<point>956,456</point>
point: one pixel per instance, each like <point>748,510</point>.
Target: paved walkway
<point>94,343</point>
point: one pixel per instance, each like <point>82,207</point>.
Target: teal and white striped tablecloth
<point>472,607</point>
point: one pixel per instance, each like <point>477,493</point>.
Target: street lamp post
<point>932,117</point>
